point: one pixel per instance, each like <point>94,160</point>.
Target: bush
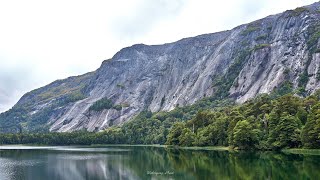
<point>117,107</point>
<point>261,37</point>
<point>260,46</point>
<point>101,104</point>
<point>250,28</point>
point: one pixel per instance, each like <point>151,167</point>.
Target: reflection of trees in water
<point>200,164</point>
<point>149,159</point>
<point>244,165</point>
<point>186,164</point>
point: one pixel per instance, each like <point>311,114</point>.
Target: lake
<point>146,162</point>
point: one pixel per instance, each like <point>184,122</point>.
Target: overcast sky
<point>42,40</point>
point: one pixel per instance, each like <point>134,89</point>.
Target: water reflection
<point>153,163</point>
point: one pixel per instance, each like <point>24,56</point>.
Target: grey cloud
<point>252,6</point>
<point>13,83</point>
<point>145,17</point>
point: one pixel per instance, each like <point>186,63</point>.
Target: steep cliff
<point>279,50</point>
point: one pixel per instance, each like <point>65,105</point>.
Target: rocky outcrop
<point>248,60</point>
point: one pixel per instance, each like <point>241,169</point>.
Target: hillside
<point>278,51</point>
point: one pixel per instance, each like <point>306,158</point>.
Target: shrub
<point>117,107</point>
<point>260,46</point>
<point>250,28</point>
<point>261,37</point>
<point>101,104</point>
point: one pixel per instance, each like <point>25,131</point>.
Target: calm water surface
<point>127,162</point>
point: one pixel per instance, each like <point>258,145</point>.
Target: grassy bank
<point>209,148</point>
<point>206,148</point>
<point>302,151</point>
<point>128,145</point>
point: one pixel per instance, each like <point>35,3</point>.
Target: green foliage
<point>311,131</point>
<point>302,115</point>
<point>200,120</point>
<point>318,74</point>
<point>285,88</point>
<point>101,104</point>
<point>262,37</point>
<point>175,133</point>
<point>245,136</point>
<point>303,79</point>
<point>286,71</point>
<point>60,88</point>
<point>187,138</point>
<point>106,103</point>
<point>117,107</point>
<point>313,38</point>
<point>10,120</point>
<point>222,84</point>
<point>260,46</point>
<point>250,28</point>
<point>262,123</point>
<point>121,86</point>
<point>163,99</point>
<point>266,122</point>
<point>300,10</point>
<point>297,12</point>
<point>285,133</point>
<point>213,134</point>
<point>75,96</point>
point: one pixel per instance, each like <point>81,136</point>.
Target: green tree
<point>174,133</point>
<point>289,131</point>
<point>245,136</point>
<point>233,118</point>
<point>101,104</point>
<point>310,134</point>
<point>284,131</point>
<point>186,138</point>
<point>201,120</point>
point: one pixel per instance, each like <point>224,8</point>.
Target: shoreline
<point>297,151</point>
<point>302,151</point>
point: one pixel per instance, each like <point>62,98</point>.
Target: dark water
<point>121,162</point>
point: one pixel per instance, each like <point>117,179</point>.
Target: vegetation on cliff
<point>267,122</point>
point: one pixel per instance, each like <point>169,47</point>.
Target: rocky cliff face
<point>248,60</point>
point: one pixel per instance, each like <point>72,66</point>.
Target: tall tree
<point>310,134</point>
<point>245,136</point>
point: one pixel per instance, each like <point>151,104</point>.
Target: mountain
<point>279,52</point>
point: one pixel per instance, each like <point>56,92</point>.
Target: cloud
<point>42,41</point>
<point>141,19</point>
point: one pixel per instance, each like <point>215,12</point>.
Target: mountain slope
<point>279,50</point>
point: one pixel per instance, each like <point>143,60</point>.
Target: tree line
<point>265,122</point>
<point>262,123</point>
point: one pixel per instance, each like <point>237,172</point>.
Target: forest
<point>267,122</point>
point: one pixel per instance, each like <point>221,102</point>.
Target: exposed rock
<point>243,62</point>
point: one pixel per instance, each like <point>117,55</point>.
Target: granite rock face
<point>248,60</point>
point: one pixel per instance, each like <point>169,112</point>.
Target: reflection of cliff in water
<point>91,166</point>
<point>136,162</point>
<point>42,164</point>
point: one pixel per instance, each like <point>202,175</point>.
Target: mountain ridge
<point>247,60</point>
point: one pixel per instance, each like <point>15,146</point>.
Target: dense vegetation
<point>267,122</point>
<point>101,104</point>
<point>262,123</point>
<point>146,128</point>
<point>106,103</point>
